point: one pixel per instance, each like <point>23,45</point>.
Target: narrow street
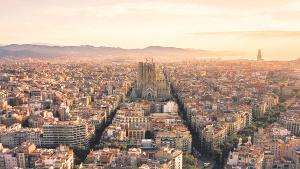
<point>195,146</point>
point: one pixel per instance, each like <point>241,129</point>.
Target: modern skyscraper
<point>259,56</point>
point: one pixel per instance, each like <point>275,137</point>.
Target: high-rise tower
<point>259,57</point>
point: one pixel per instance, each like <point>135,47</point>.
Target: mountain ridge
<point>38,50</point>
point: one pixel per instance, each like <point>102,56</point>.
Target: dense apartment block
<point>71,133</point>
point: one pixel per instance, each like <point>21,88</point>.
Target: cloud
<point>218,24</point>
<point>237,4</point>
<point>253,34</point>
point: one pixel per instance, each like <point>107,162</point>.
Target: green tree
<point>80,153</point>
<point>190,162</point>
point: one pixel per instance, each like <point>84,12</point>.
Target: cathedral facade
<point>150,83</point>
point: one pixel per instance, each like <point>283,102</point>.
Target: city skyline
<point>217,26</point>
<point>134,84</point>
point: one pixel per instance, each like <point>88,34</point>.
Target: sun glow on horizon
<point>232,25</point>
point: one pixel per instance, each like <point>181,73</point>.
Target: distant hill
<point>36,50</point>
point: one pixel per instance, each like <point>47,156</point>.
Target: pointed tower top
<point>259,56</point>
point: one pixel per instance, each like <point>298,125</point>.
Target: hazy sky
<point>231,25</point>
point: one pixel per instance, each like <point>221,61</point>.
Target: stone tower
<point>150,85</point>
<point>146,80</point>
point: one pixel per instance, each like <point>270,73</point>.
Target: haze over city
<point>161,84</point>
<point>236,27</point>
